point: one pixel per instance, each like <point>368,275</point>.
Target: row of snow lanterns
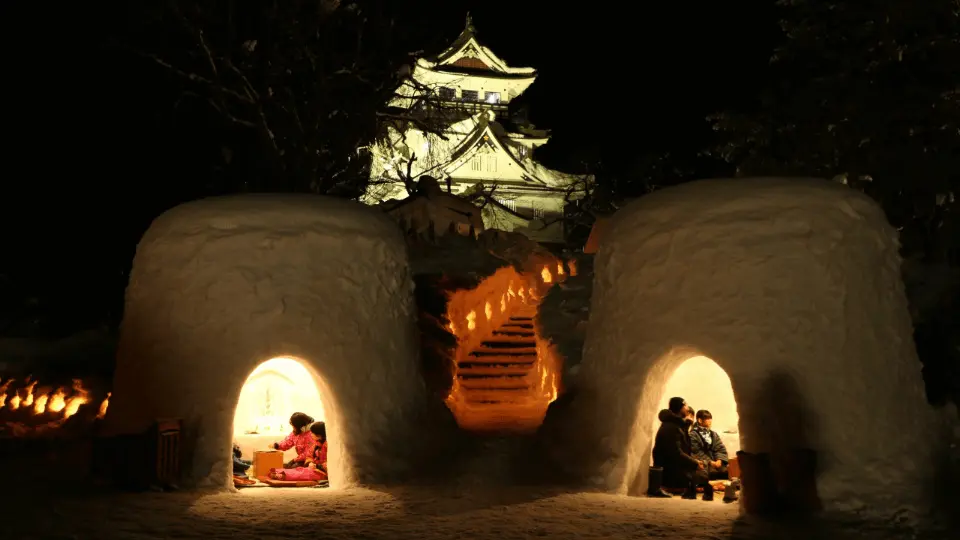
<point>524,294</point>
<point>52,402</point>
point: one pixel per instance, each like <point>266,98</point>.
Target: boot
<point>691,492</point>
<point>655,486</point>
<point>730,492</point>
<point>707,492</point>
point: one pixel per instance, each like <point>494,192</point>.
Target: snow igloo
<point>793,288</point>
<point>241,310</point>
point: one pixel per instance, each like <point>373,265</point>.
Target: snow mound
<point>221,285</point>
<point>432,213</point>
<point>793,287</point>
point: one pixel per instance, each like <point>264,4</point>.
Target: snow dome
<point>307,300</point>
<point>793,288</point>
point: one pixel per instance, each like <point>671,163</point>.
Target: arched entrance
<point>705,386</point>
<point>275,389</point>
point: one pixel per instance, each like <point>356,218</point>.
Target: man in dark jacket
<point>671,448</point>
<point>706,446</point>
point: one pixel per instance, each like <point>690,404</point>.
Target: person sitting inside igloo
<point>314,468</point>
<point>708,448</point>
<point>674,466</point>
<point>240,465</point>
<point>318,459</point>
<point>300,438</point>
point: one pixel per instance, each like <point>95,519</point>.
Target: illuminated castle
<point>463,93</point>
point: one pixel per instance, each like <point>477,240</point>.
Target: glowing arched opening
<point>705,385</point>
<point>274,390</point>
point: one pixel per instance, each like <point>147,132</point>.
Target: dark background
<point>99,142</point>
<point>95,149</point>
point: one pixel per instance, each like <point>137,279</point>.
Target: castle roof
<point>467,55</point>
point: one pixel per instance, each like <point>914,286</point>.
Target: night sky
<point>90,160</point>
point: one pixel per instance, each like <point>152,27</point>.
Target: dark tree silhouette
<point>297,87</point>
<point>868,93</point>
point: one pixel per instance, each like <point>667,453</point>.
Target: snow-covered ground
<point>420,513</point>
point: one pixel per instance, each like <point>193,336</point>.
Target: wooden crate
<point>166,456</point>
<point>265,460</point>
<point>733,468</point>
<point>138,461</point>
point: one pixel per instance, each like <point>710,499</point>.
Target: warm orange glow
<point>505,376</point>
<point>472,320</point>
<point>41,401</point>
<point>551,364</point>
<point>80,397</point>
<point>705,385</point>
<point>57,402</point>
<point>572,265</point>
<point>559,268</point>
<point>28,401</point>
<point>274,390</point>
<point>40,405</point>
<point>104,405</point>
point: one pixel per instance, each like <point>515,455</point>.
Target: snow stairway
<point>498,380</point>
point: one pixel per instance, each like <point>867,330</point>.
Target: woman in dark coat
<point>671,448</point>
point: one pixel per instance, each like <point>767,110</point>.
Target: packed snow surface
<point>398,514</point>
<point>793,287</point>
<point>221,285</point>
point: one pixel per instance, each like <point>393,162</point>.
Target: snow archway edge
<point>339,462</point>
<point>220,285</point>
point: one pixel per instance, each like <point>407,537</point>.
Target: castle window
<point>469,95</point>
<point>492,97</point>
<point>476,164</point>
<point>491,163</point>
<point>447,94</point>
<point>512,205</point>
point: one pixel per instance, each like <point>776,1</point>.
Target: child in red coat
<point>300,438</point>
<point>318,459</point>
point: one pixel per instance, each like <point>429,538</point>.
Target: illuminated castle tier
<point>461,93</point>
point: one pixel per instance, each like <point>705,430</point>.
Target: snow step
<point>499,384</point>
<point>509,344</point>
<point>515,351</point>
<point>506,357</point>
<point>509,366</point>
<point>516,397</point>
<point>513,333</point>
<point>494,374</point>
<point>528,351</point>
<point>488,369</point>
<point>509,403</point>
<point>517,325</point>
<point>521,319</point>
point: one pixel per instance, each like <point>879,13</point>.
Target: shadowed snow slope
<point>793,287</point>
<point>220,285</point>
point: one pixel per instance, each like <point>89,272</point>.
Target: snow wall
<point>221,285</point>
<point>793,287</point>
